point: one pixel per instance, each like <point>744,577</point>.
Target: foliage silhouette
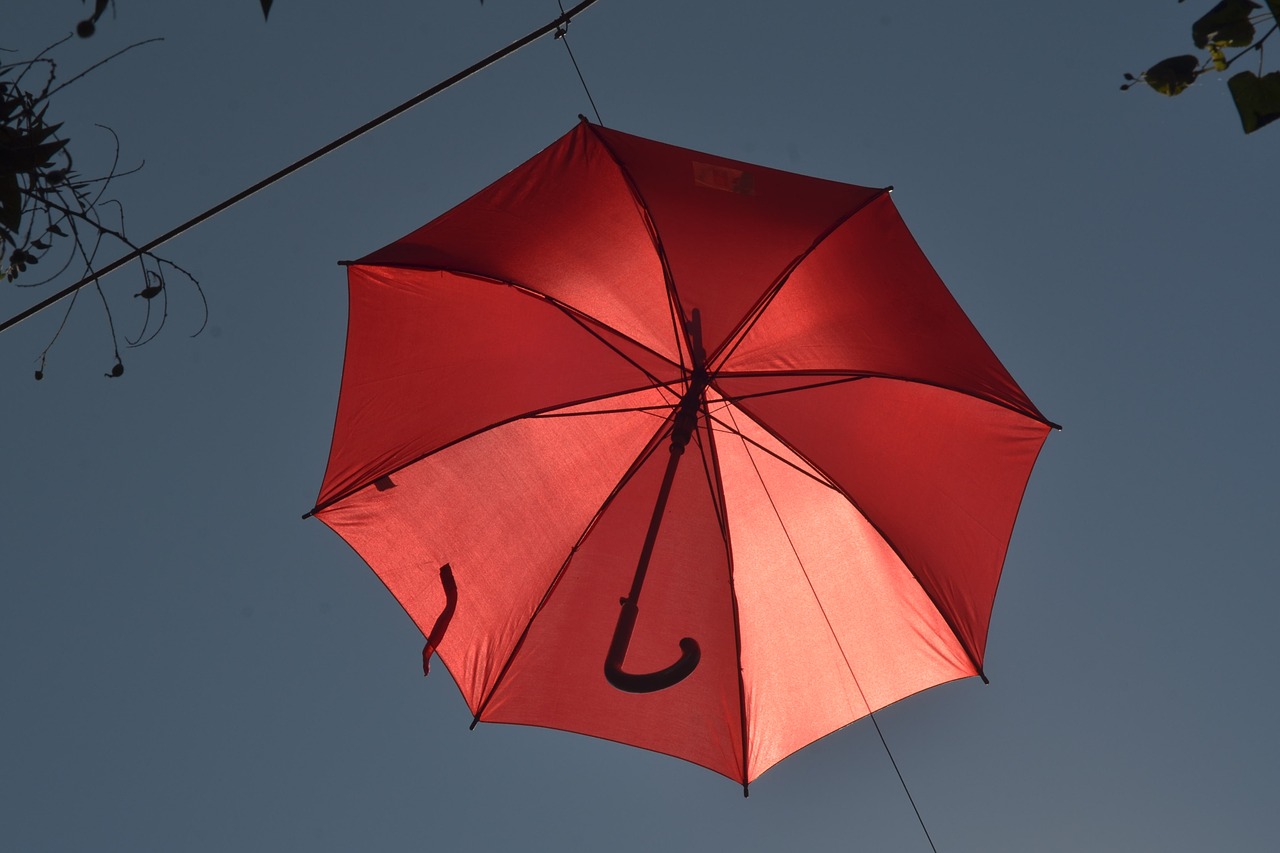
<point>53,215</point>
<point>36,168</point>
<point>1229,24</point>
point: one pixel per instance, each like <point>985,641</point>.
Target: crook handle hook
<point>645,682</point>
<point>685,421</point>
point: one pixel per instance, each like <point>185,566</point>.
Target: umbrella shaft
<point>684,423</point>
<point>660,506</point>
<point>686,420</point>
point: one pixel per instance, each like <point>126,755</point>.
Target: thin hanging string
<point>138,251</point>
<point>889,753</point>
<point>562,33</point>
<point>839,645</point>
<point>879,733</point>
<point>883,742</point>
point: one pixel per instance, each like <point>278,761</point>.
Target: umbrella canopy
<point>677,451</point>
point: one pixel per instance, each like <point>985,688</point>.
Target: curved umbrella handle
<point>685,420</point>
<point>645,682</point>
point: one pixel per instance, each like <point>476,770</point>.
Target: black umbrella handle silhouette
<point>686,419</point>
<point>445,617</point>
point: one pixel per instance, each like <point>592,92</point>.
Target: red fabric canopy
<point>835,528</point>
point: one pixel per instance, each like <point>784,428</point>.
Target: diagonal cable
<point>148,247</point>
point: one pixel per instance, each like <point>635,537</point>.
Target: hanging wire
<point>894,762</point>
<point>562,34</point>
<point>848,665</point>
<point>556,25</point>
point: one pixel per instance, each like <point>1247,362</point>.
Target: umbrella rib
<point>711,467</point>
<point>795,553</point>
<point>753,315</point>
<point>664,409</point>
<point>653,444</point>
<point>847,375</point>
<point>587,322</point>
<point>834,636</point>
<point>369,480</point>
<point>673,298</point>
<point>581,321</point>
<point>791,388</point>
<point>946,617</point>
<point>733,429</point>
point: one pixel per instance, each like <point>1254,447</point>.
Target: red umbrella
<point>677,451</point>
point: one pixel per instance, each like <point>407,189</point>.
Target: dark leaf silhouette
<point>1257,98</point>
<point>1226,25</point>
<point>26,154</point>
<point>10,204</point>
<point>1229,24</point>
<point>1173,75</point>
<point>53,218</point>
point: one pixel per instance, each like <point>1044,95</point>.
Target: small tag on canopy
<point>723,178</point>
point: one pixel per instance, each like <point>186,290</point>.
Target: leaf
<point>7,107</point>
<point>10,203</point>
<point>26,157</point>
<point>266,9</point>
<point>1257,98</point>
<point>46,131</point>
<point>1274,6</point>
<point>1170,76</point>
<point>1226,24</point>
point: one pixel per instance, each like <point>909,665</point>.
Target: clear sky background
<point>187,665</point>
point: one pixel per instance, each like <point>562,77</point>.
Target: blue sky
<point>188,665</point>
